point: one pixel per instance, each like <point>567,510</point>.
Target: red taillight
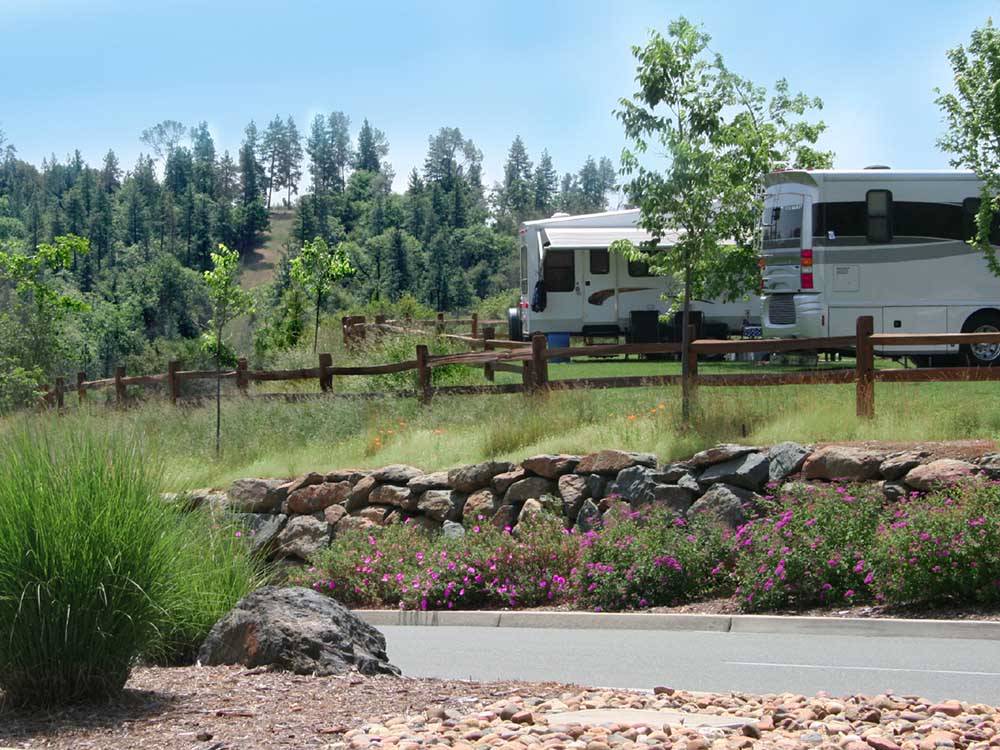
<point>523,304</point>
<point>806,276</point>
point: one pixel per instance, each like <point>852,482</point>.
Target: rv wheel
<point>982,355</point>
<point>514,330</point>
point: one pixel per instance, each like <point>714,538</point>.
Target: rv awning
<point>557,238</point>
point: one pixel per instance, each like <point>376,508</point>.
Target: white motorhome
<point>839,244</point>
<point>592,292</point>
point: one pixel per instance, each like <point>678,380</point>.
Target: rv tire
<point>982,355</point>
<point>514,330</point>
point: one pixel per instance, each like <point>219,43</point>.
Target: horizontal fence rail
<point>530,360</point>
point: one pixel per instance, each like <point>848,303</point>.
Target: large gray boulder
<point>673,496</point>
<point>298,630</point>
<point>477,476</point>
<point>634,484</point>
<point>990,465</point>
<point>573,490</point>
<point>726,503</point>
<point>436,481</point>
<point>589,517</point>
<point>261,529</point>
<point>749,471</point>
<point>785,459</point>
<point>256,495</point>
<point>898,465</point>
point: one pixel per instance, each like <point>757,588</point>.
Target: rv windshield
<point>781,224</point>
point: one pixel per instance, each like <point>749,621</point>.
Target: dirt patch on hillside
<point>964,450</point>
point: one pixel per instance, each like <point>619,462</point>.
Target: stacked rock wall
<point>297,518</point>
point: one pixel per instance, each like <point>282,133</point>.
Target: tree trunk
<point>218,391</point>
<point>319,302</point>
<point>685,348</point>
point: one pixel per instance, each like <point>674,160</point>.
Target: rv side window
<point>879,215</point>
<point>970,207</point>
<point>600,262</point>
<point>917,219</point>
<point>559,271</point>
<point>638,269</point>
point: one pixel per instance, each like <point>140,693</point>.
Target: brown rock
<point>948,708</point>
<point>881,743</point>
<point>611,462</point>
<point>898,464</point>
<point>720,453</point>
<point>502,482</point>
<point>477,476</point>
<point>940,473</point>
<point>316,497</point>
<point>359,495</point>
<point>550,466</point>
<point>257,495</point>
<point>751,730</point>
<point>843,462</point>
<point>392,494</point>
<point>353,523</point>
<point>396,474</point>
<point>347,475</point>
<point>334,513</point>
<point>504,518</point>
<point>573,489</point>
<point>374,513</point>
<point>529,487</point>
<point>441,505</point>
<point>482,504</point>
<point>436,481</point>
<point>523,717</point>
<point>305,481</point>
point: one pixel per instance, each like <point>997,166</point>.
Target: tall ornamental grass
<point>95,570</point>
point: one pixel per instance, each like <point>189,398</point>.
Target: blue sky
<point>91,74</point>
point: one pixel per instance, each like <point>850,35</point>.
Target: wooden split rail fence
<point>530,360</point>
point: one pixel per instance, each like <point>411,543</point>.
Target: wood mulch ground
<point>230,708</point>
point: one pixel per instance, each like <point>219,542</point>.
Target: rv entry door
<point>599,298</point>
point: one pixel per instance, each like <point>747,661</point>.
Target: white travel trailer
<point>839,244</point>
<point>590,291</point>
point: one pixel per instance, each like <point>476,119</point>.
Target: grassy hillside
<point>259,267</point>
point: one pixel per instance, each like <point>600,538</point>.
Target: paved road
<point>934,668</point>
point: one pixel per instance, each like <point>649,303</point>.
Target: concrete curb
<point>761,624</point>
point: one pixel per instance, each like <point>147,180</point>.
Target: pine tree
<point>252,216</point>
<point>399,273</point>
<point>372,148</point>
<point>102,228</point>
<point>591,187</point>
<point>203,155</point>
<point>290,160</point>
<point>320,151</point>
<point>228,179</point>
<point>545,183</point>
<point>341,154</point>
<point>516,194</point>
<point>271,148</point>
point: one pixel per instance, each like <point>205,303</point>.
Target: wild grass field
<point>275,438</point>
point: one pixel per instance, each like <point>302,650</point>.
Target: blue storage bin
<point>557,341</point>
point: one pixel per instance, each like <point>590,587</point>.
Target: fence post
<point>539,365</point>
<point>527,376</point>
<point>325,376</point>
<point>242,376</point>
<point>865,367</point>
<point>423,375</point>
<point>81,391</point>
<point>120,385</point>
<point>475,325</point>
<point>173,383</point>
<point>489,333</point>
<point>60,387</point>
<point>439,326</point>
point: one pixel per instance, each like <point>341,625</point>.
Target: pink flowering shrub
<point>810,547</point>
<point>399,566</point>
<point>944,547</point>
<point>653,561</point>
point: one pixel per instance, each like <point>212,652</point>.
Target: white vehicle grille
<point>781,310</point>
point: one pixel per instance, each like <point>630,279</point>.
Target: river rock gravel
<point>225,708</point>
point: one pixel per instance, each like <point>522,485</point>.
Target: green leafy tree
<point>164,137</point>
<point>228,302</point>
<point>719,135</point>
<point>972,112</point>
<point>316,268</point>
